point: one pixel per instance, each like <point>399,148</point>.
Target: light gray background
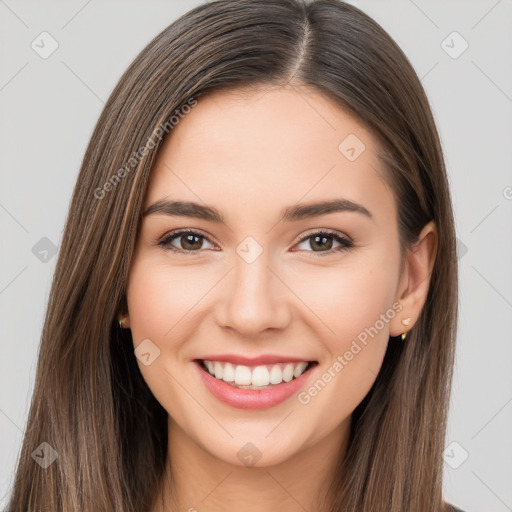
<point>50,106</point>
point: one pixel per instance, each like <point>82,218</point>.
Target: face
<point>264,288</point>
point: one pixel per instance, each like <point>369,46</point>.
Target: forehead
<point>263,148</point>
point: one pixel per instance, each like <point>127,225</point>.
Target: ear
<point>123,314</point>
<point>125,321</point>
<point>415,280</point>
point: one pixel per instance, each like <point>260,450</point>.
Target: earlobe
<point>123,317</point>
<point>124,321</point>
<point>415,280</point>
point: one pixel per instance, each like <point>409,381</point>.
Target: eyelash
<point>165,243</point>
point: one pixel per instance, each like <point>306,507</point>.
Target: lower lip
<point>252,398</point>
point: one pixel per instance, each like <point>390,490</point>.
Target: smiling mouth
<point>255,377</point>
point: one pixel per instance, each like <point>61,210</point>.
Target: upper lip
<point>253,361</point>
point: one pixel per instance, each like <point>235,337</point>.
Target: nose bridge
<point>256,299</point>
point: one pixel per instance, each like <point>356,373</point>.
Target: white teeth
<point>257,376</point>
<point>217,368</point>
<point>242,375</point>
<point>228,374</point>
<point>288,372</point>
<point>299,369</point>
<point>260,376</point>
<point>276,375</point>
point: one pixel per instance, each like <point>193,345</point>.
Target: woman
<point>255,301</point>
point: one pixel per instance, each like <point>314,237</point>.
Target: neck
<point>195,480</point>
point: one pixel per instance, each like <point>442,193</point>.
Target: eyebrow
<point>290,213</point>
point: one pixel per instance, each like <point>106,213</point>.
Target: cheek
<point>159,302</point>
<point>159,298</point>
<point>351,299</point>
<point>357,306</point>
<point>360,306</point>
<point>164,304</point>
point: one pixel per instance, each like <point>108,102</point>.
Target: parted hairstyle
<point>90,402</point>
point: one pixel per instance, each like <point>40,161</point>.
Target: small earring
<point>121,321</point>
<point>406,322</point>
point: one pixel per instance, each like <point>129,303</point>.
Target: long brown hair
<point>90,402</point>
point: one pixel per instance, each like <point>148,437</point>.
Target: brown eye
<point>319,243</point>
<point>322,242</point>
<point>184,241</point>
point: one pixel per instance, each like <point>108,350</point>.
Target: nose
<point>255,299</point>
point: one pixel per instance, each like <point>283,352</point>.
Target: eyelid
<point>184,231</point>
<point>345,243</point>
<point>164,240</point>
<point>343,239</point>
<point>325,231</point>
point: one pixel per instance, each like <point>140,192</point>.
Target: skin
<point>250,153</point>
